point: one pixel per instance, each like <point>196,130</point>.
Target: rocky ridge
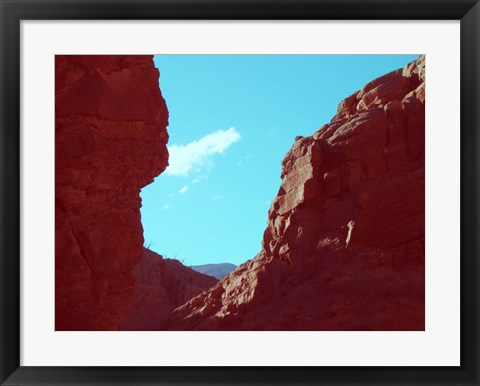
<point>344,248</point>
<point>161,286</point>
<point>110,141</point>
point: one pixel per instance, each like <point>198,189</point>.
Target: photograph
<point>240,192</point>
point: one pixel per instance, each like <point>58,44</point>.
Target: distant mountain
<point>218,271</point>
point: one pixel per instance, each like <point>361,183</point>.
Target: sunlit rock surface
<point>344,248</point>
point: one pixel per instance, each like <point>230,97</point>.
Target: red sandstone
<point>110,141</point>
<point>344,246</point>
<point>161,286</point>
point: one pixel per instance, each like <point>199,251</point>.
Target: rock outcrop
<point>110,141</point>
<point>162,285</point>
<point>344,245</point>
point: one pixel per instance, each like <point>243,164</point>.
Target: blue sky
<point>232,120</point>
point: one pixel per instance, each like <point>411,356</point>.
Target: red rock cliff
<point>344,246</point>
<point>110,141</point>
<point>162,285</point>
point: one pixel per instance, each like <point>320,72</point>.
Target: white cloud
<point>197,154</point>
<point>164,207</point>
<point>196,180</point>
<point>184,189</point>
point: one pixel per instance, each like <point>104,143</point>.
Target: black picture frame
<point>13,11</point>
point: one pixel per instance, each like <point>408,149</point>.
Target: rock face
<point>344,245</point>
<point>218,271</point>
<point>110,141</point>
<point>162,285</point>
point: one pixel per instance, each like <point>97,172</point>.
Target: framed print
<point>239,193</point>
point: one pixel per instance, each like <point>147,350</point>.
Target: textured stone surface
<point>162,285</point>
<point>110,141</point>
<point>344,245</point>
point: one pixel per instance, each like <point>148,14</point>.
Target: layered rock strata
<point>110,141</point>
<point>344,248</point>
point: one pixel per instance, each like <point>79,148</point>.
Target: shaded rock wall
<point>110,141</point>
<point>344,245</point>
<point>162,285</point>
